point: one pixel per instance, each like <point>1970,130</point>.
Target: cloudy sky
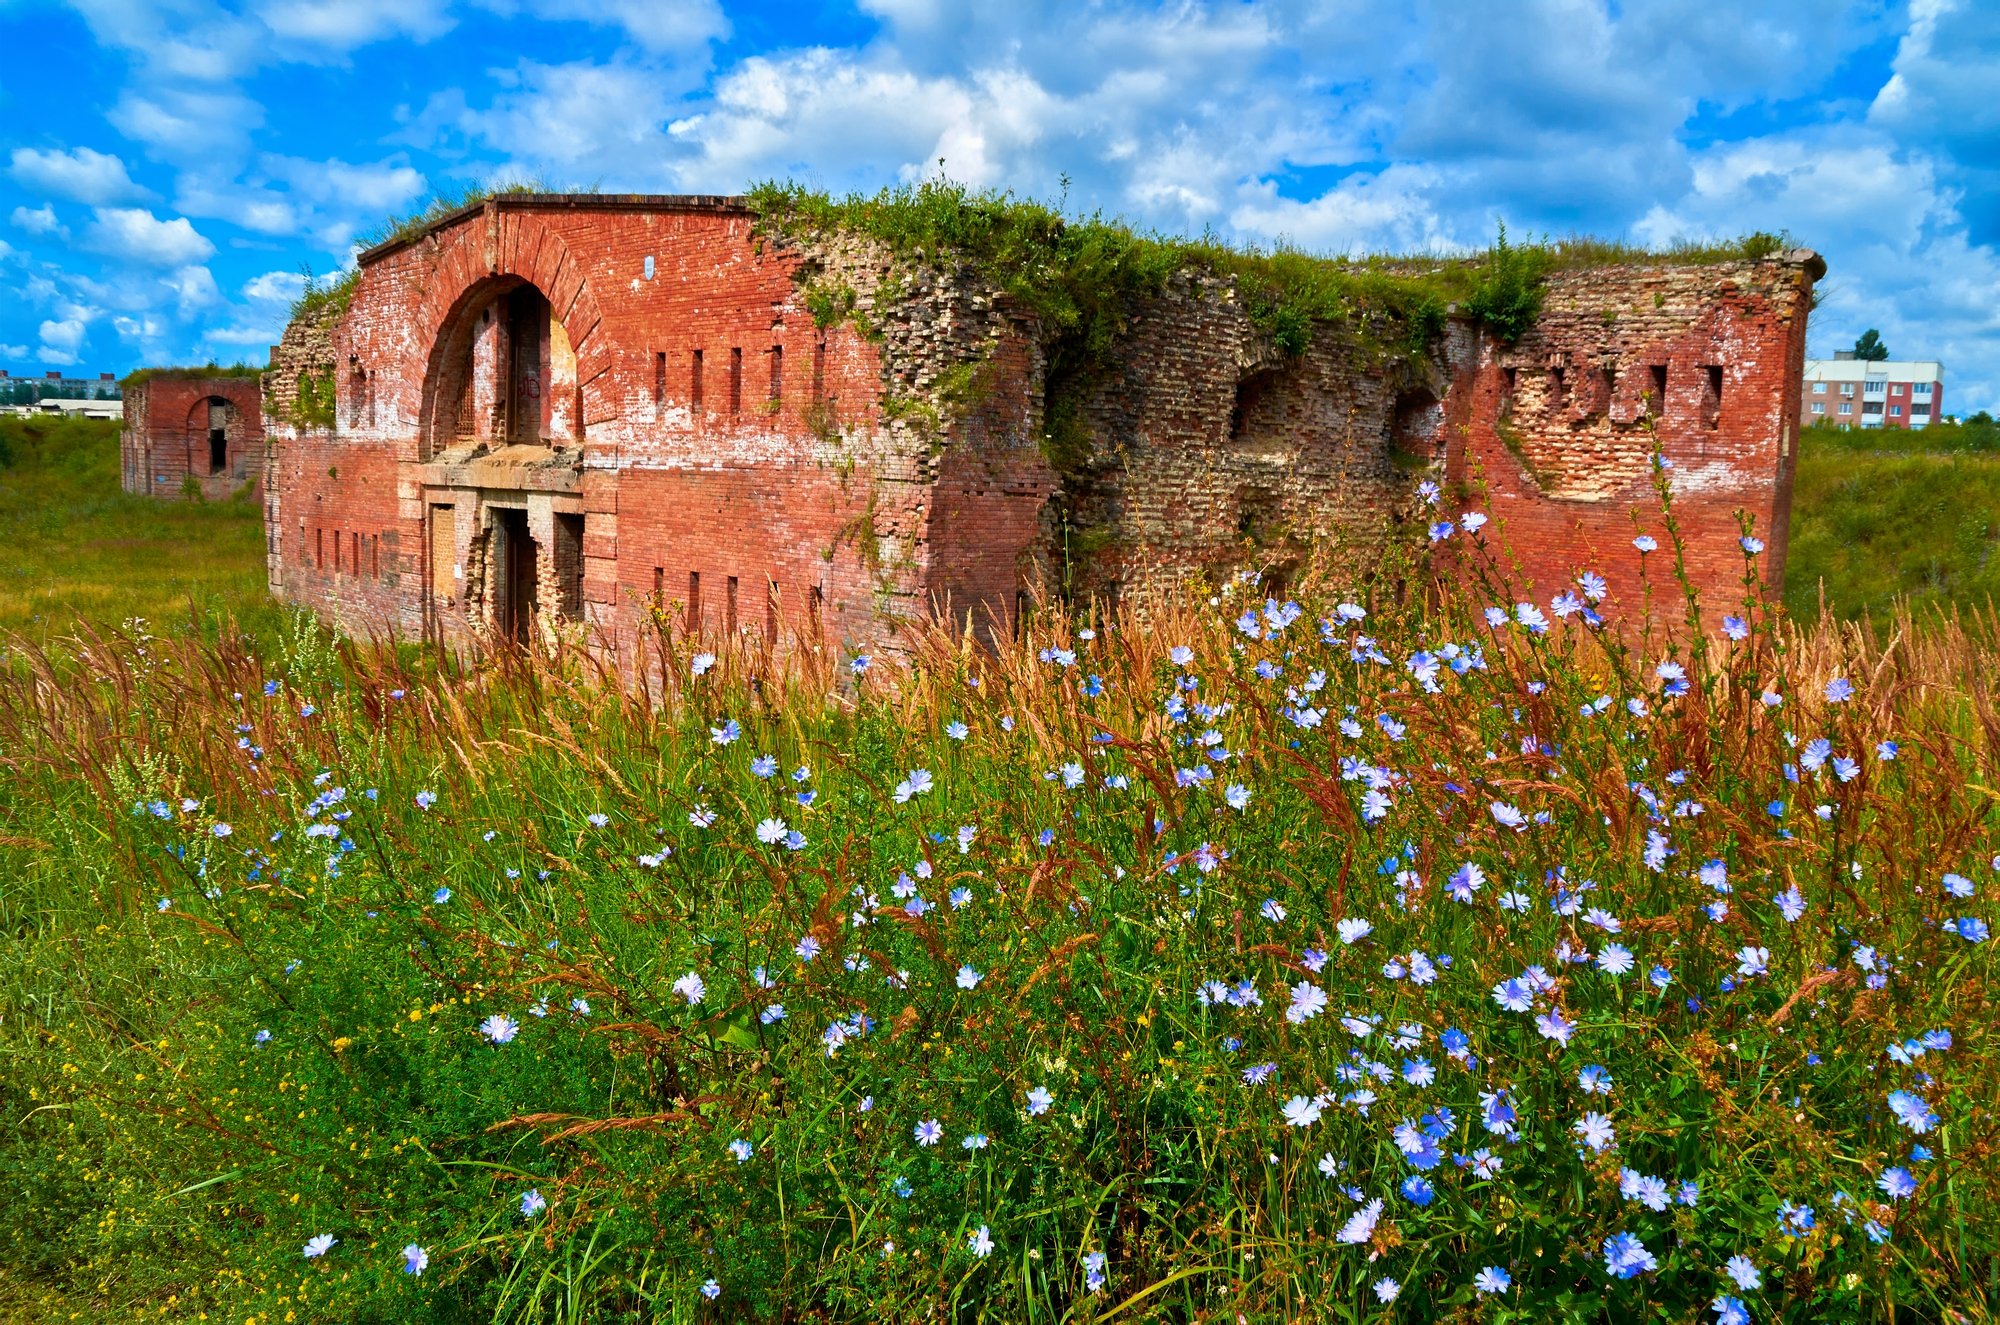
<point>168,167</point>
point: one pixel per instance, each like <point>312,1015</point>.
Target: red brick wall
<point>903,469</point>
<point>166,437</point>
<point>810,485</point>
<point>1565,464</point>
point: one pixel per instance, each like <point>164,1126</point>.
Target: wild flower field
<point>1265,961</point>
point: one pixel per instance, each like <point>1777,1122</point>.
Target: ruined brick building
<point>192,434</point>
<point>549,408</point>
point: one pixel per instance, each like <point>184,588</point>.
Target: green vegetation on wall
<point>211,369</point>
<point>1081,275</point>
<point>314,405</point>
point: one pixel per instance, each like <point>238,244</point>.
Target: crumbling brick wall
<point>1702,361</point>
<point>1212,451</point>
<point>594,411</point>
<point>192,435</point>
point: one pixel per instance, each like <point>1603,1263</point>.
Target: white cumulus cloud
<point>136,235</point>
<point>81,175</point>
<point>275,287</point>
<point>36,221</point>
<point>62,340</point>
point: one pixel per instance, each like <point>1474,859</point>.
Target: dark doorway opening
<point>517,575</point>
<point>218,450</point>
<point>527,380</point>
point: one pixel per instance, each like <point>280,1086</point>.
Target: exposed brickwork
<point>1213,451</point>
<point>547,408</point>
<point>1564,459</point>
<point>177,428</point>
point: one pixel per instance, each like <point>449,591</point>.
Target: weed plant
<point>1464,959</point>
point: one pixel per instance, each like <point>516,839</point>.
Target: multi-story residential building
<point>1864,393</point>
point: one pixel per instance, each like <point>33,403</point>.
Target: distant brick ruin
<point>549,409</point>
<point>191,434</point>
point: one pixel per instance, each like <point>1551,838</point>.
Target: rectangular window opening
<point>354,556</point>
<point>770,611</point>
<point>777,374</point>
<point>660,378</point>
<point>1711,401</point>
<point>319,549</point>
<point>694,601</point>
<point>736,380</point>
<point>1656,385</point>
<point>729,607</point>
<point>568,552</point>
<point>819,367</point>
<point>659,587</point>
<point>694,382</point>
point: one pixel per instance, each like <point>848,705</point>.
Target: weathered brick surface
<point>1212,451</point>
<point>608,406</point>
<point>167,439</point>
<point>1565,460</point>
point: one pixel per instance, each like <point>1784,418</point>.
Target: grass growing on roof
<point>1080,274</point>
<point>138,375</point>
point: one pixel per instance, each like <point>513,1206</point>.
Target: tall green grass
<point>1882,519</point>
<point>322,940</point>
<point>80,550</point>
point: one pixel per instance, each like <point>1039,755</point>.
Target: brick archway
<point>214,431</point>
<point>480,261</point>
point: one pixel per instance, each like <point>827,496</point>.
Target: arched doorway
<point>502,373</point>
<point>214,433</point>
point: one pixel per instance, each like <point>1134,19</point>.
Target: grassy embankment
<point>1882,517</point>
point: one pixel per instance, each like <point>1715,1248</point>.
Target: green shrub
<point>1507,295</point>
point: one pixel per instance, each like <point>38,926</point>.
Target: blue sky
<point>167,169</point>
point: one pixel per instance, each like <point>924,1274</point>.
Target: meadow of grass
<point>78,549</point>
<point>1882,519</point>
<point>1258,961</point>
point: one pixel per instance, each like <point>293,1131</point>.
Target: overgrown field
<point>1882,519</point>
<point>1269,961</point>
<point>79,549</point>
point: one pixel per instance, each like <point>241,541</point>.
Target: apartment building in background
<point>1872,393</point>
